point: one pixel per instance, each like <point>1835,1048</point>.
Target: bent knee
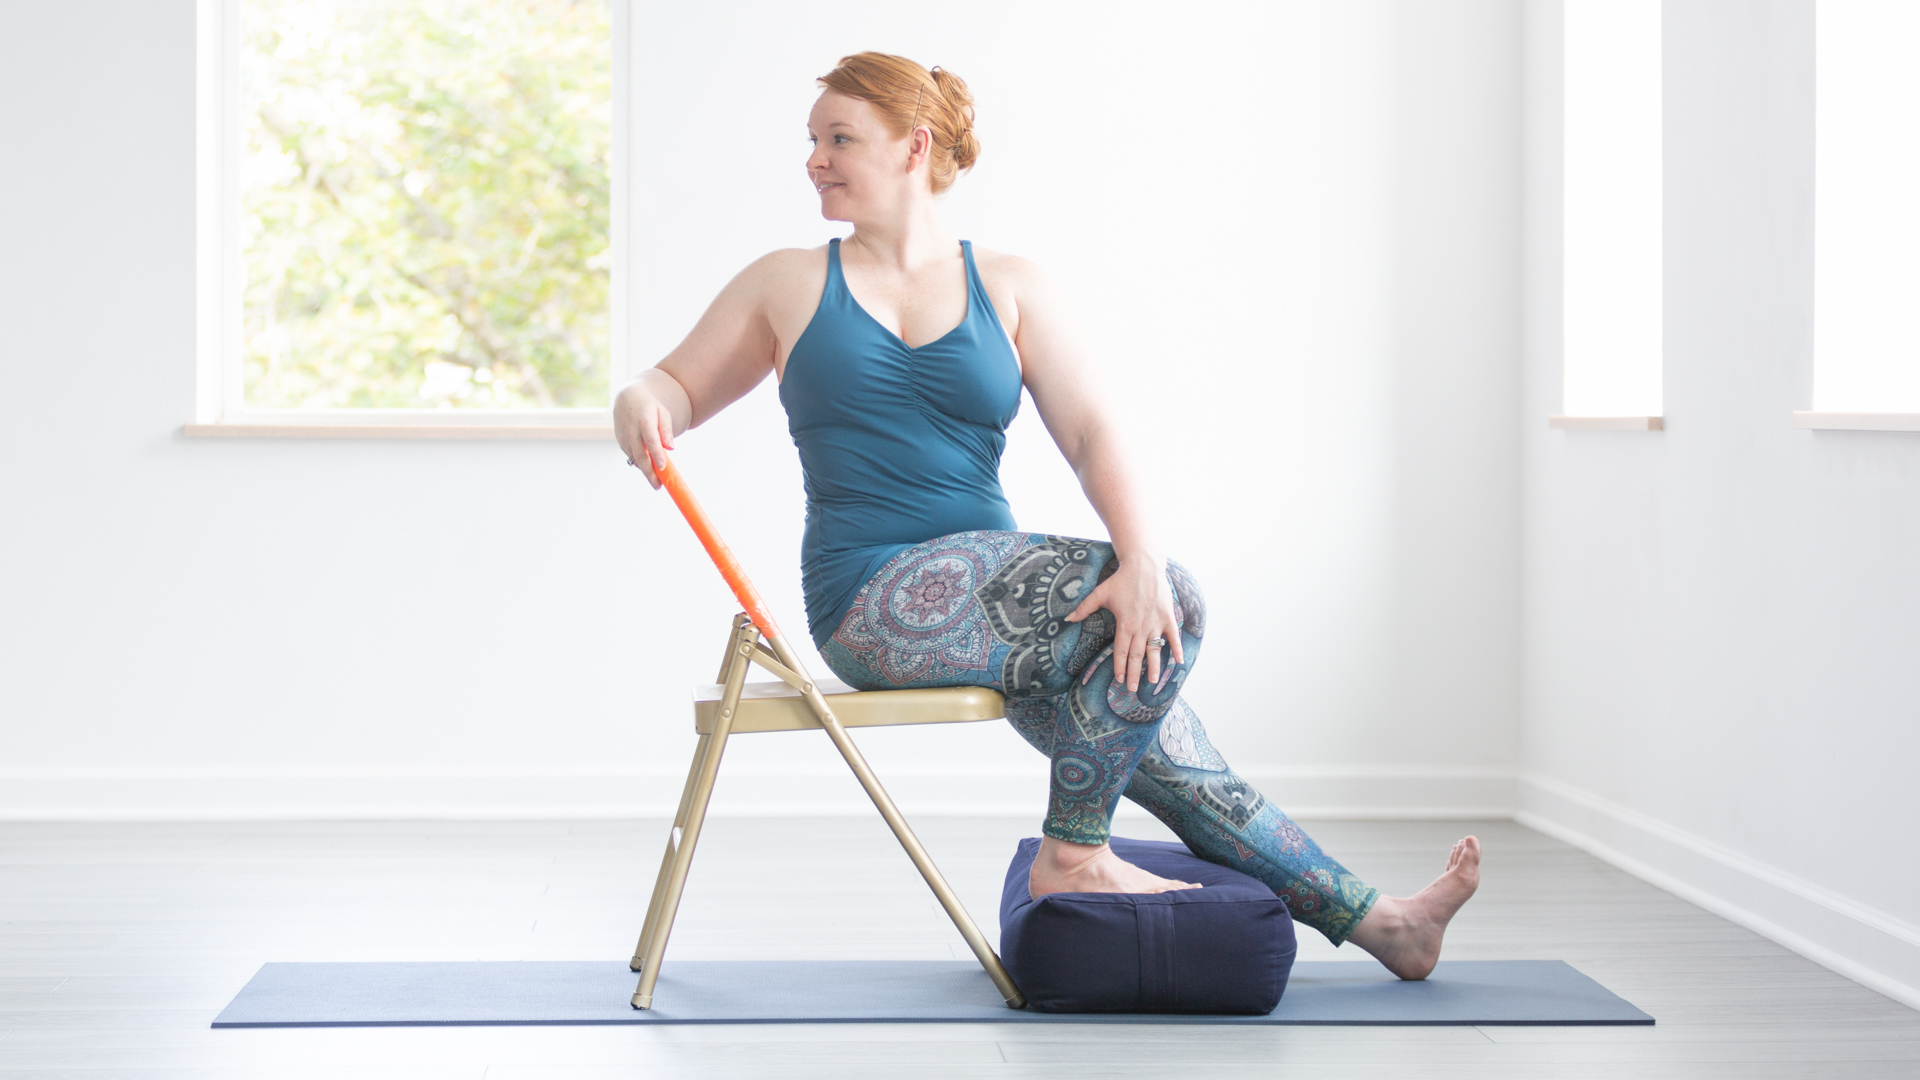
<point>1188,598</point>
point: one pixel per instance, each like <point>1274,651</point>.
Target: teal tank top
<point>898,445</point>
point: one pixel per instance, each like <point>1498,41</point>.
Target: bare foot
<point>1064,867</point>
<point>1404,934</point>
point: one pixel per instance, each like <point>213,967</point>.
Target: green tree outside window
<point>425,203</point>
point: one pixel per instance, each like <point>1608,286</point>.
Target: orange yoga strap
<point>717,549</point>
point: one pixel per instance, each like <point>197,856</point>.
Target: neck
<point>913,238</point>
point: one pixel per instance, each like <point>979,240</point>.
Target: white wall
<point>1291,229</point>
<point>1719,685</point>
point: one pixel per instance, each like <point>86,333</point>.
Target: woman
<point>901,354</point>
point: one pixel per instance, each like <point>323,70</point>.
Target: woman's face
<point>860,169</point>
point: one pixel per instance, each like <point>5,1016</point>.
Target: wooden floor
<point>119,943</point>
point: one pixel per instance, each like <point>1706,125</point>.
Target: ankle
<point>1383,921</point>
<point>1064,856</point>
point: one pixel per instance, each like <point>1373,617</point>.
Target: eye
<point>841,139</point>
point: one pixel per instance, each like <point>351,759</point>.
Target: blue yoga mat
<point>869,992</point>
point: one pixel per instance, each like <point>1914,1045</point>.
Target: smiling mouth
<point>823,188</point>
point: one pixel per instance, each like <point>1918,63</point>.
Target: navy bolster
<point>1226,948</point>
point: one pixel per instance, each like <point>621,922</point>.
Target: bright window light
<point>1867,207</point>
<point>424,205</point>
<point>1612,206</point>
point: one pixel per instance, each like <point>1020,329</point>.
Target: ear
<point>919,146</point>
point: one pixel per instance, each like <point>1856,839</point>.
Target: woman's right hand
<point>643,422</point>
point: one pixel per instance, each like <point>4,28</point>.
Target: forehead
<point>834,108</point>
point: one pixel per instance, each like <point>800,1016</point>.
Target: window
<point>416,207</point>
<point>1612,205</point>
<point>1866,214</point>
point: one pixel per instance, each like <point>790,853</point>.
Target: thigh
<point>976,609</point>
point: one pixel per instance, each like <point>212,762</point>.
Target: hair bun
<point>959,102</point>
<point>966,151</point>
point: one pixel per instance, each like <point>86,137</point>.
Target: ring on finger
<point>1156,643</point>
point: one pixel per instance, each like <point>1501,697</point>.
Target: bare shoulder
<point>781,286</point>
<point>786,268</point>
<point>1017,271</point>
<point>788,284</point>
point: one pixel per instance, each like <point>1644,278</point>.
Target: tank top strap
<point>836,289</point>
<point>976,289</point>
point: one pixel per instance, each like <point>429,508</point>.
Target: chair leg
<point>706,769</point>
<point>936,881</point>
<point>686,800</point>
<point>949,900</point>
<point>666,860</point>
<point>673,881</point>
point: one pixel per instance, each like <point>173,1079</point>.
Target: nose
<point>817,159</point>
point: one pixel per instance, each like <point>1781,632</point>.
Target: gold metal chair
<point>797,702</point>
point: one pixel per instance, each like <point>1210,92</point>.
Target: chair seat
<point>775,706</point>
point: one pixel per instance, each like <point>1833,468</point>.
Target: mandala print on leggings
<point>1027,603</point>
<point>1190,606</point>
<point>914,622</point>
<point>1088,777</point>
<point>1037,720</point>
<point>1075,773</point>
<point>1184,742</point>
<point>1222,795</point>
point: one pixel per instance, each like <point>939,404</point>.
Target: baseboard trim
<point>1869,946</point>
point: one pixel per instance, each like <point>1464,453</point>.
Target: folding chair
<point>797,702</point>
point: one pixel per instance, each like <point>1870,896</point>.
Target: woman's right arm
<point>730,350</point>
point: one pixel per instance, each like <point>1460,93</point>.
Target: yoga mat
<point>867,992</point>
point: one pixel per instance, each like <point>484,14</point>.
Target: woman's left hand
<point>1142,605</point>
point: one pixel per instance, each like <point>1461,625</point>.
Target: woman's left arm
<point>1059,374</point>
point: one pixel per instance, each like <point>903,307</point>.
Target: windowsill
<point>1857,421</point>
<point>311,429</point>
<point>1607,423</point>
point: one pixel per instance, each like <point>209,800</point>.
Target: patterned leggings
<point>989,609</point>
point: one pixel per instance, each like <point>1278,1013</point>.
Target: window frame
<point>220,407</point>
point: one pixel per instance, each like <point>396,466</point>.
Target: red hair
<point>907,96</point>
